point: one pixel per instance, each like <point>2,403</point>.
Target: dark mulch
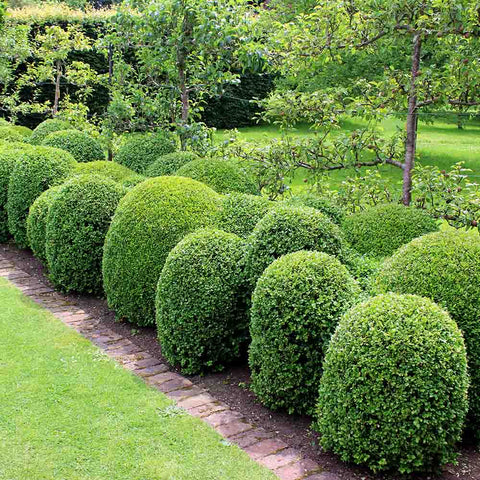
<point>231,387</point>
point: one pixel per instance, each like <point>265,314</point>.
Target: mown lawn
<point>69,412</point>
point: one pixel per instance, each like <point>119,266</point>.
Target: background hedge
<point>46,128</point>
<point>112,170</point>
<point>10,134</point>
<point>168,164</point>
<point>325,205</point>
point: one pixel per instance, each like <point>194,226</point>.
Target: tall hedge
<point>112,170</point>
<point>150,220</point>
<point>46,128</point>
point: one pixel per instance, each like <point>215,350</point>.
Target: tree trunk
<point>412,122</point>
<point>182,53</point>
<point>57,88</point>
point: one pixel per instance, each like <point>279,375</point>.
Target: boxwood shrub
<point>201,316</point>
<point>393,395</point>
<point>150,220</point>
<point>224,176</point>
<point>45,128</point>
<point>296,306</point>
<point>444,266</point>
<point>10,134</point>
<point>112,170</point>
<point>140,151</point>
<point>241,212</point>
<point>168,164</point>
<point>77,224</point>
<point>37,222</point>
<point>380,230</point>
<point>36,170</point>
<point>325,205</point>
<point>82,146</point>
<point>25,132</point>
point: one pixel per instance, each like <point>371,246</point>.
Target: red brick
<point>151,371</point>
<point>221,418</point>
<point>323,476</point>
<point>246,439</point>
<point>233,428</point>
<point>297,470</point>
<point>196,401</point>
<point>281,458</point>
<point>206,409</point>
<point>161,378</point>
<point>175,384</point>
<point>146,361</point>
<point>184,393</point>
<point>265,448</point>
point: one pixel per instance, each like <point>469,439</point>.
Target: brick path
<point>261,445</point>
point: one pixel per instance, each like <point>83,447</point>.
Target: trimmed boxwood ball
<point>24,131</point>
<point>37,222</point>
<point>150,220</point>
<point>380,230</point>
<point>168,164</point>
<point>77,224</point>
<point>224,176</point>
<point>36,170</point>
<point>296,306</point>
<point>10,134</point>
<point>112,170</point>
<point>140,151</point>
<point>325,205</point>
<point>201,312</point>
<point>82,146</point>
<point>241,212</point>
<point>286,229</point>
<point>393,395</point>
<point>444,266</point>
<point>45,128</point>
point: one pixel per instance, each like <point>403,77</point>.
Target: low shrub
<point>201,318</point>
<point>224,176</point>
<point>112,170</point>
<point>77,224</point>
<point>25,132</point>
<point>36,170</point>
<point>325,205</point>
<point>168,164</point>
<point>82,146</point>
<point>10,134</point>
<point>444,266</point>
<point>150,220</point>
<point>393,395</point>
<point>296,306</point>
<point>140,151</point>
<point>46,128</point>
<point>380,230</point>
<point>241,212</point>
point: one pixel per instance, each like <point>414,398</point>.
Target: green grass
<point>69,412</point>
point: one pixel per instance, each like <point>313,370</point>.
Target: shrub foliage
<point>325,205</point>
<point>46,128</point>
<point>112,170</point>
<point>168,164</point>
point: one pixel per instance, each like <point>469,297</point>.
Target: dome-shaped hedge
<point>224,176</point>
<point>241,212</point>
<point>380,230</point>
<point>296,306</point>
<point>10,134</point>
<point>82,146</point>
<point>325,205</point>
<point>394,389</point>
<point>140,151</point>
<point>37,222</point>
<point>46,128</point>
<point>201,313</point>
<point>112,170</point>
<point>36,170</point>
<point>168,164</point>
<point>77,224</point>
<point>25,132</point>
<point>287,229</point>
<point>150,220</point>
<point>444,266</point>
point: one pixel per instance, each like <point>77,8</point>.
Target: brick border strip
<point>261,445</point>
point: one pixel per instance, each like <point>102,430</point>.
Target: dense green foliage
<point>444,266</point>
<point>36,170</point>
<point>82,146</point>
<point>46,128</point>
<point>37,222</point>
<point>10,134</point>
<point>296,306</point>
<point>394,390</point>
<point>325,205</point>
<point>150,220</point>
<point>112,170</point>
<point>380,230</point>
<point>201,313</point>
<point>241,212</point>
<point>224,176</point>
<point>168,164</point>
<point>140,151</point>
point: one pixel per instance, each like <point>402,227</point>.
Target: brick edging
<point>261,445</point>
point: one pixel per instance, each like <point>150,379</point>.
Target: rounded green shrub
<point>444,266</point>
<point>25,132</point>
<point>46,128</point>
<point>10,134</point>
<point>325,205</point>
<point>296,306</point>
<point>380,230</point>
<point>37,222</point>
<point>140,151</point>
<point>77,224</point>
<point>285,230</point>
<point>36,170</point>
<point>241,212</point>
<point>224,176</point>
<point>168,164</point>
<point>82,146</point>
<point>201,313</point>
<point>150,220</point>
<point>112,170</point>
<point>393,395</point>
